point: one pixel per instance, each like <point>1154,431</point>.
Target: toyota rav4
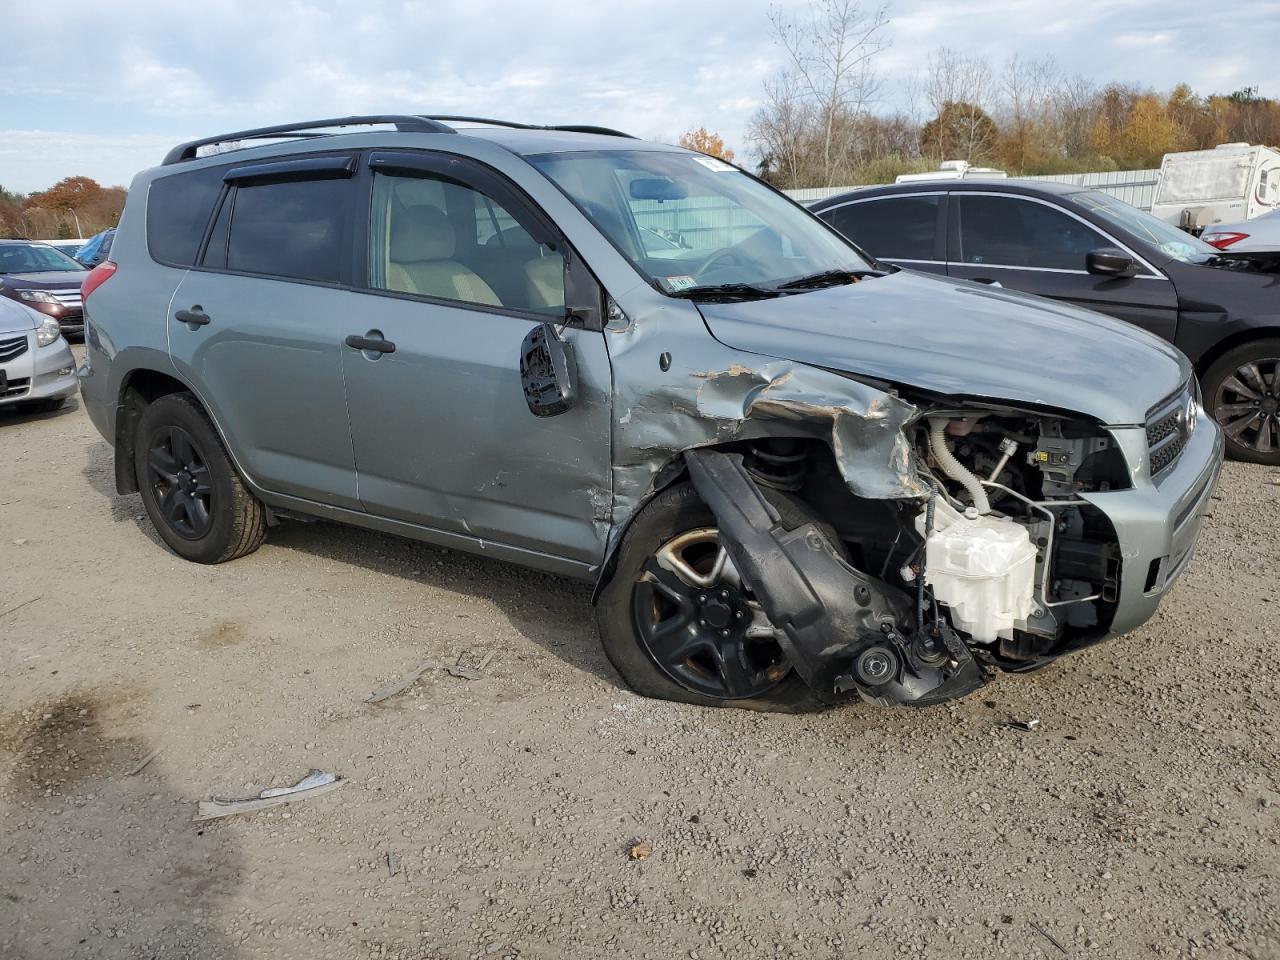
<point>793,475</point>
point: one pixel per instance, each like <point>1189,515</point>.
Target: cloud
<point>153,68</point>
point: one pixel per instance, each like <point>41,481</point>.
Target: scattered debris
<point>640,850</point>
<point>145,760</point>
<point>393,864</point>
<point>21,541</point>
<point>1048,936</point>
<point>389,690</point>
<point>5,613</point>
<point>464,672</point>
<point>313,784</point>
<point>1028,725</point>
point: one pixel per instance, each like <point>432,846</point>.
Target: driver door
<point>461,268</point>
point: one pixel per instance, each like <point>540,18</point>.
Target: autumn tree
<point>706,142</point>
<point>74,206</point>
<point>960,131</point>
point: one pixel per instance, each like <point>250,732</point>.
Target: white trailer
<point>1231,182</point>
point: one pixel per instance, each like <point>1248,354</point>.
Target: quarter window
<point>293,229</point>
<point>178,210</point>
<point>897,228</point>
<point>439,238</point>
<point>1010,232</point>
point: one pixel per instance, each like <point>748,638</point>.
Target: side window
<point>1010,232</point>
<point>439,238</point>
<point>178,210</point>
<point>292,229</point>
<point>895,228</point>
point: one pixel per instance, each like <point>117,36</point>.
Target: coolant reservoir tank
<point>982,568</point>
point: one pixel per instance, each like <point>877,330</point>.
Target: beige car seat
<point>421,261</point>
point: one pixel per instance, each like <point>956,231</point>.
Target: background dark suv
<point>1089,249</point>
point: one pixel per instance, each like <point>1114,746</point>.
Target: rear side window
<point>178,210</point>
<point>897,228</point>
<point>293,229</point>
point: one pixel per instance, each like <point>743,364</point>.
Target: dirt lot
<point>492,817</point>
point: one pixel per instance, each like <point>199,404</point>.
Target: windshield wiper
<point>827,278</point>
<point>731,291</point>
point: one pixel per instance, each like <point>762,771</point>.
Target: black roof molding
<point>404,123</point>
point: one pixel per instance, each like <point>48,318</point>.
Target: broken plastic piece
<point>314,784</point>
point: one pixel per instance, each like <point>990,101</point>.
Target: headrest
<point>421,232</point>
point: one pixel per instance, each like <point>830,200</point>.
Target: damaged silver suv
<point>794,475</point>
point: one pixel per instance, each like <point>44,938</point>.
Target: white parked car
<point>1259,235</point>
<point>37,369</point>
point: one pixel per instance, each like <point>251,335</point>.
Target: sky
<point>104,90</point>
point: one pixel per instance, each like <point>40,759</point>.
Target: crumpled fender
<point>842,630</point>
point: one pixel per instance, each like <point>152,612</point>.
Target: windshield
<point>34,258</point>
<point>1174,242</point>
<point>692,223</point>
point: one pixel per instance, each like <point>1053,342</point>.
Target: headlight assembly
<point>49,331</point>
<point>37,296</point>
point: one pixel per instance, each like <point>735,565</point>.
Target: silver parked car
<point>37,369</point>
<point>793,476</point>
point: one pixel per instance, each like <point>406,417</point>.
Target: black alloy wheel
<point>1247,405</point>
<point>179,476</point>
<point>700,625</point>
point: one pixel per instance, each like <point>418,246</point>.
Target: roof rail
<point>567,127</point>
<point>406,123</point>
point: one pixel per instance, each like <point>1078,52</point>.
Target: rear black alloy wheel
<point>198,503</point>
<point>180,481</point>
<point>1248,405</point>
<point>698,623</point>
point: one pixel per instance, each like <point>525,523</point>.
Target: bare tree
<point>781,130</point>
<point>959,90</point>
<point>832,48</point>
<point>1029,86</point>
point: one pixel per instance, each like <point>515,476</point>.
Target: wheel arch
<point>1226,344</point>
<point>140,387</point>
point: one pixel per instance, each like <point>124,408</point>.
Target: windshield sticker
<point>676,284</point>
<point>711,163</point>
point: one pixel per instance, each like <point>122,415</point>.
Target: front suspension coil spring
<point>777,462</point>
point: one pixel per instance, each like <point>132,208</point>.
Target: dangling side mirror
<point>548,372</point>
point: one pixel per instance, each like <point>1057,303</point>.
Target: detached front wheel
<point>677,621</point>
<point>190,489</point>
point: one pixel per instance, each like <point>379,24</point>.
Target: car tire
<point>191,491</point>
<point>1242,393</point>
<point>676,512</point>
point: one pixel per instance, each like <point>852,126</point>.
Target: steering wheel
<point>725,254</point>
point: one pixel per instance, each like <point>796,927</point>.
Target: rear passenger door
<point>902,229</point>
<point>461,268</point>
<point>1031,245</point>
<point>257,325</point>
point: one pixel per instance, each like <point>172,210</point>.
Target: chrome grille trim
<point>12,348</point>
<point>1167,432</point>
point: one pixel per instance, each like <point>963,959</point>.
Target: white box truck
<point>1231,182</point>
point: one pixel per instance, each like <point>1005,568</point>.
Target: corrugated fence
<point>1137,187</point>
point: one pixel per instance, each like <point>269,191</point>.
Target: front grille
<point>69,297</point>
<point>12,348</point>
<point>1168,430</point>
<point>15,388</point>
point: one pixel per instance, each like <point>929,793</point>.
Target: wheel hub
<point>720,609</point>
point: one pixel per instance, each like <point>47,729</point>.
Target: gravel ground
<point>493,817</point>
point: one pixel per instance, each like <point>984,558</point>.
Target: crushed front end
<point>1037,535</point>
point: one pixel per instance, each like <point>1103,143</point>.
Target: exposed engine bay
<point>1001,566</point>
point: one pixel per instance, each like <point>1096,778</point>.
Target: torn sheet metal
<point>677,388</point>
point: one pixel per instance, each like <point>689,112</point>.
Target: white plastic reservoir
<point>982,568</point>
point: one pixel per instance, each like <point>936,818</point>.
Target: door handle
<point>195,316</point>
<point>370,344</point>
